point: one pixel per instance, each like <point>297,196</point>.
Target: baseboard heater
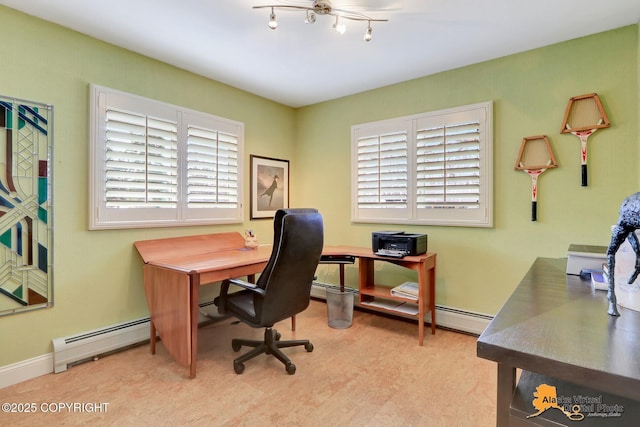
<point>78,348</point>
<point>446,317</point>
<point>68,351</point>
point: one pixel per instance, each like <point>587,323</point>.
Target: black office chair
<point>283,288</point>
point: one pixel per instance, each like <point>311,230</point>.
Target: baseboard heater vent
<point>69,350</point>
<point>446,317</point>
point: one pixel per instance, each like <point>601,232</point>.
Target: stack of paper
<point>400,307</point>
<point>406,290</point>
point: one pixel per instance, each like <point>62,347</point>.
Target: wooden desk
<point>173,272</point>
<point>554,324</point>
<point>176,267</point>
<point>424,265</point>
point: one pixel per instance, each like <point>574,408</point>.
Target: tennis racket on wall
<point>535,157</point>
<point>584,115</point>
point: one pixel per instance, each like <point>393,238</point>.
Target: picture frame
<point>269,190</point>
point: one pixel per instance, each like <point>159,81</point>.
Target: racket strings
<point>584,113</point>
<point>535,153</point>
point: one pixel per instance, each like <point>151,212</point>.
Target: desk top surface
<point>211,252</point>
<point>187,246</point>
<point>557,325</point>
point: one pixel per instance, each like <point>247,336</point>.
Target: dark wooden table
<point>556,325</point>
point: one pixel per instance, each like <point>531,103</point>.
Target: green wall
<point>97,274</point>
<point>477,269</point>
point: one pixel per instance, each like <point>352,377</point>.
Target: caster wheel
<point>239,367</point>
<point>235,347</point>
<point>291,368</point>
<point>308,347</point>
<point>278,336</point>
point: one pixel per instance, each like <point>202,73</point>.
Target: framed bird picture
<point>269,186</point>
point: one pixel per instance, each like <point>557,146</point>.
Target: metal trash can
<point>340,308</point>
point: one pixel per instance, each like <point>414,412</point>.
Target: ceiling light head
<point>273,24</point>
<point>338,26</point>
<point>367,34</point>
<point>311,17</point>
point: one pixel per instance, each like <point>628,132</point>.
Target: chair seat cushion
<point>240,304</point>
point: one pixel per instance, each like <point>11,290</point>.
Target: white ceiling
<point>300,64</point>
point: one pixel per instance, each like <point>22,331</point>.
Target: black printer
<point>398,242</point>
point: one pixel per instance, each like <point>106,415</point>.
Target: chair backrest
<point>287,278</point>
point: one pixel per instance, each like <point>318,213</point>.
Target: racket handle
<point>534,210</point>
<point>584,175</point>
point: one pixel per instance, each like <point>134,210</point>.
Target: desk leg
<point>506,387</point>
<point>152,337</point>
<point>195,286</point>
<point>427,298</point>
<point>421,312</point>
<point>432,298</point>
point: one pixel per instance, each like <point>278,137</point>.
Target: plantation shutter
<point>159,165</point>
<point>212,168</point>
<point>382,171</point>
<point>448,166</point>
<point>141,161</point>
<point>431,168</point>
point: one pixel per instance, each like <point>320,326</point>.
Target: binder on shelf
<point>581,257</point>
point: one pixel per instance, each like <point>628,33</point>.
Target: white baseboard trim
<point>26,370</point>
<point>446,317</point>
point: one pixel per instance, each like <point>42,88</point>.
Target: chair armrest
<point>246,285</point>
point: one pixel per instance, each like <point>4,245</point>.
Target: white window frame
<point>398,202</point>
<point>178,212</point>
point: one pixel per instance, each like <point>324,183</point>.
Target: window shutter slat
<point>382,171</point>
<point>448,166</point>
<point>212,168</point>
<point>140,161</point>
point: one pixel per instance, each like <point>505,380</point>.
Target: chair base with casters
<point>270,345</point>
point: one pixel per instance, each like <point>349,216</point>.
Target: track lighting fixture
<point>323,7</point>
